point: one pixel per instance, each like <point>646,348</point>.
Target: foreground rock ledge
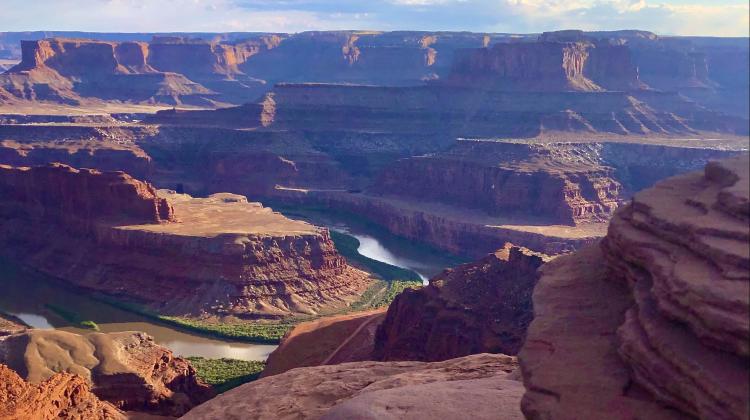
<point>654,323</point>
<point>478,384</point>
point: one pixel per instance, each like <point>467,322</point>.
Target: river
<point>37,300</point>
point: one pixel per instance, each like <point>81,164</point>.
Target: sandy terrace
<point>224,213</point>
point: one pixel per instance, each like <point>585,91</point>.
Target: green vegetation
<point>347,246</point>
<point>382,293</point>
<point>225,374</point>
<point>255,332</point>
<point>394,288</point>
<point>71,317</point>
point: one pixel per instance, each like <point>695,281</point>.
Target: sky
<point>665,17</point>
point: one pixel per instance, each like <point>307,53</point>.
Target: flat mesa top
<point>223,213</point>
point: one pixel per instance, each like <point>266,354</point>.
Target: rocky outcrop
<point>61,194</point>
<point>326,341</point>
<point>63,395</point>
<point>665,329</point>
<point>10,324</point>
<point>126,369</point>
<point>547,66</point>
<point>479,384</point>
<point>217,255</point>
<point>553,183</point>
<point>479,307</point>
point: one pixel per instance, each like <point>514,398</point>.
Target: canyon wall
<point>217,255</point>
<point>549,183</point>
<point>664,331</point>
<point>479,307</point>
<point>547,66</point>
<point>452,111</point>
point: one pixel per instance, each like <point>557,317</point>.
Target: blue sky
<point>673,17</point>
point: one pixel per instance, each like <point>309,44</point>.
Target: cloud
<point>688,17</point>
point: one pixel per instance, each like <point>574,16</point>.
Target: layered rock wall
<point>479,307</point>
<point>665,333</point>
<point>218,255</point>
<point>547,66</point>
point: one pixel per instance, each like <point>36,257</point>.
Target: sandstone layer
<point>63,395</point>
<point>219,255</point>
<point>326,341</point>
<point>479,384</point>
<point>479,307</point>
<point>548,66</point>
<point>126,369</point>
<point>664,330</point>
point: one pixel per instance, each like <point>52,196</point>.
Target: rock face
<point>479,384</point>
<point>326,341</point>
<point>63,395</point>
<point>219,255</point>
<point>548,182</point>
<point>547,66</point>
<point>479,307</point>
<point>667,313</point>
<point>471,111</point>
<point>126,369</point>
<point>79,197</point>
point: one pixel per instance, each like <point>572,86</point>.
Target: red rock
<point>326,341</point>
<point>547,66</point>
<point>63,395</point>
<point>80,197</point>
<point>126,369</point>
<point>664,331</point>
<point>216,255</point>
<point>478,384</point>
<point>479,307</point>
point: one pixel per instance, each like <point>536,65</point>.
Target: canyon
<point>165,173</point>
<point>219,255</point>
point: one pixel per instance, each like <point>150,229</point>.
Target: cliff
<point>61,194</point>
<point>213,256</point>
<point>125,369</point>
<point>665,328</point>
<point>547,66</point>
<point>479,307</point>
<point>63,395</point>
<point>460,111</point>
<point>481,384</point>
<point>548,183</point>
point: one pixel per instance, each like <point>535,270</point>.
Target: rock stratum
<point>665,328</point>
<point>63,395</point>
<point>479,307</point>
<point>127,370</point>
<point>481,384</point>
<point>219,255</point>
<point>212,69</point>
